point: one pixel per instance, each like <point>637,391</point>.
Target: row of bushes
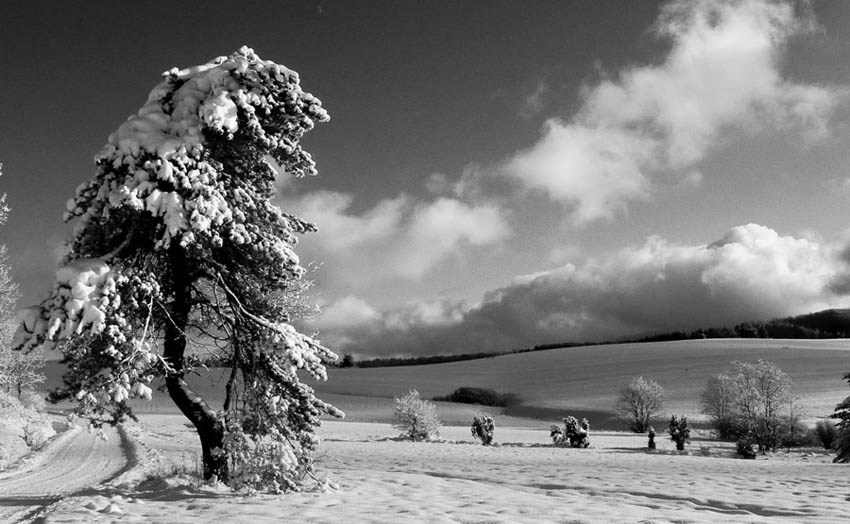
<point>481,396</point>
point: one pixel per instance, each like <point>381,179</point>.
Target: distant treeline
<point>348,360</point>
<point>831,323</point>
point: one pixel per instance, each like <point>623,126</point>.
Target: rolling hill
<point>582,381</point>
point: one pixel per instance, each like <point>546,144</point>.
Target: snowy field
<point>383,480</point>
<point>150,471</point>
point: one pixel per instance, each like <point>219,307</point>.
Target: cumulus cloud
<point>751,273</point>
<point>397,236</point>
<point>722,71</point>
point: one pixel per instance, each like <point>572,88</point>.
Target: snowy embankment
<point>74,461</point>
<point>380,479</point>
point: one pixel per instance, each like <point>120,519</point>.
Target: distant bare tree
<point>638,401</point>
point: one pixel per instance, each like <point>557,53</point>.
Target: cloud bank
<point>751,273</point>
<point>722,71</point>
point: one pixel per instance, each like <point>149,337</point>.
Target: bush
<point>745,448</point>
<point>573,434</point>
<point>679,431</point>
<point>482,396</point>
<point>483,428</point>
<point>826,433</point>
<point>415,417</point>
<point>794,434</point>
<point>638,402</point>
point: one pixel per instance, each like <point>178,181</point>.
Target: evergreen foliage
<point>177,236</point>
<point>842,439</point>
<point>679,431</point>
<point>574,435</point>
<point>483,428</point>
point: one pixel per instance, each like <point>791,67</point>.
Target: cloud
<point>397,236</point>
<point>751,273</point>
<point>722,71</point>
<point>341,229</point>
<point>534,102</point>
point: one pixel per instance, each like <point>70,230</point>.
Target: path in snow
<point>73,462</point>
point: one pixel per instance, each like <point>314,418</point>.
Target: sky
<point>495,174</point>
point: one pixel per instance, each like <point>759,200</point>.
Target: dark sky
<point>413,87</point>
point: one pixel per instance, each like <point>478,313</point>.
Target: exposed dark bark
<point>208,425</point>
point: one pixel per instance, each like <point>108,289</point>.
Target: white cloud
<point>752,273</point>
<point>341,229</point>
<point>722,71</point>
<point>397,236</point>
<point>438,228</point>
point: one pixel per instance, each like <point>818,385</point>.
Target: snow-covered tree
<point>18,373</point>
<point>177,237</point>
<point>415,417</point>
<point>483,427</point>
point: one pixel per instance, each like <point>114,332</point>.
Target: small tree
<point>718,402</point>
<point>750,402</point>
<point>638,402</point>
<point>483,427</point>
<point>177,233</point>
<point>842,439</point>
<point>679,431</point>
<point>761,392</point>
<point>347,361</point>
<point>415,417</point>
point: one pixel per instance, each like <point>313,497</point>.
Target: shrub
<point>415,417</point>
<point>573,434</point>
<point>483,427</point>
<point>793,433</point>
<point>826,433</point>
<point>638,402</point>
<point>679,431</point>
<point>745,448</point>
<point>482,396</point>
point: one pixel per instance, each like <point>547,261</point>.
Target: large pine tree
<point>177,235</point>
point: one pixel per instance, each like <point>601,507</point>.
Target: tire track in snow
<point>75,461</point>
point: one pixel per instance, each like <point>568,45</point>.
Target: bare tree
<point>638,401</point>
<point>718,402</point>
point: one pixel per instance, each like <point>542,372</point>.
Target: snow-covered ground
<point>379,478</point>
<point>73,462</point>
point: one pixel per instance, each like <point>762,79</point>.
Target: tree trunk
<point>210,429</point>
